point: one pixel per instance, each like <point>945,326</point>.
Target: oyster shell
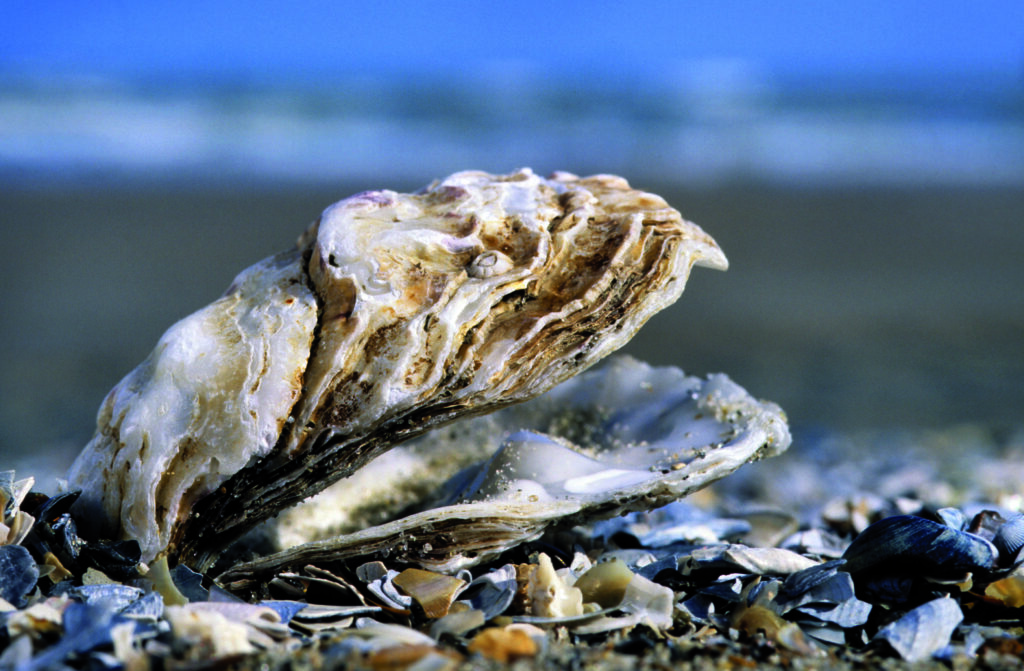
<point>395,313</point>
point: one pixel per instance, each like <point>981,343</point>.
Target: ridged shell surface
<point>394,314</point>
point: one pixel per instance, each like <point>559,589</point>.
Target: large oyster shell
<point>396,313</point>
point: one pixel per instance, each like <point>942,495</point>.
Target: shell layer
<point>625,436</point>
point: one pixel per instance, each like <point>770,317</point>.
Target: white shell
<point>397,313</point>
<point>227,376</point>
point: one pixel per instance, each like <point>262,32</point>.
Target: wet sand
<point>852,308</point>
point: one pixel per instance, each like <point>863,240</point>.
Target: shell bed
<point>419,362</point>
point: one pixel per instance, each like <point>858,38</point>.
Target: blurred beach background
<point>861,164</point>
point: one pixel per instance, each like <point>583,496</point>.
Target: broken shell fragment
<point>396,313</point>
<point>18,574</point>
<point>605,583</point>
<point>503,644</point>
<point>1008,591</point>
<point>643,602</point>
<point>14,522</point>
<point>548,593</point>
<point>740,558</point>
<point>924,630</point>
<point>434,592</point>
<point>492,592</point>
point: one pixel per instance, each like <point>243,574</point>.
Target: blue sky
<point>315,38</point>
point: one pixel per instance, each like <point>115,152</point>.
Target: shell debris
<point>707,593</point>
